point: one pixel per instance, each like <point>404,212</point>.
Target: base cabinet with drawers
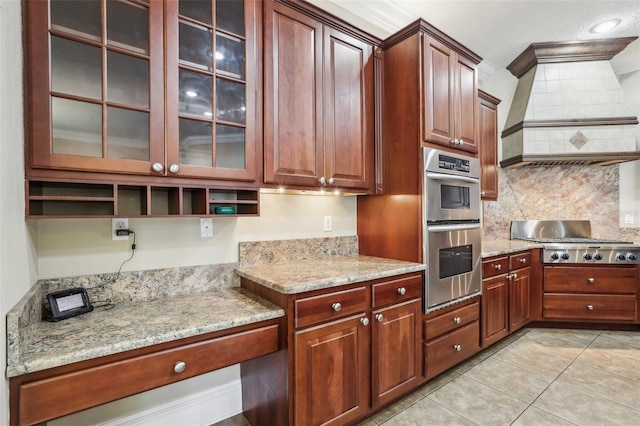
<point>451,336</point>
<point>594,293</point>
<point>350,351</point>
<point>506,289</point>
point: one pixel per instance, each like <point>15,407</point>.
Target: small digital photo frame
<point>68,303</point>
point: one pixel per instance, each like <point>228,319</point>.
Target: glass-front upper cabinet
<point>153,87</point>
<point>211,84</point>
<point>94,79</point>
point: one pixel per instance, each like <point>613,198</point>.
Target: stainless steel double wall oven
<point>452,230</point>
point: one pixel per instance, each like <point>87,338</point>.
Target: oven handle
<point>449,228</point>
<point>438,176</point>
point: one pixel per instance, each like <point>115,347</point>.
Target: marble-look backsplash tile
<point>261,252</point>
<point>558,193</point>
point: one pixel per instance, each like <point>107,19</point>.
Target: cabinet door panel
<point>495,297</point>
<point>519,298</point>
<point>348,108</point>
<point>488,148</point>
<point>331,372</point>
<point>466,104</point>
<point>395,349</point>
<point>439,92</point>
<point>293,97</point>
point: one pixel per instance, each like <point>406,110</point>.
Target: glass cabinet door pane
<point>81,18</point>
<point>76,127</point>
<point>230,104</point>
<point>196,9</point>
<point>196,143</point>
<point>127,134</point>
<point>195,46</point>
<point>230,143</point>
<point>195,96</point>
<point>229,56</point>
<point>127,79</point>
<point>230,16</point>
<point>128,26</point>
<point>76,68</point>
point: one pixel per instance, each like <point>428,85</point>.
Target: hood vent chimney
<point>568,107</point>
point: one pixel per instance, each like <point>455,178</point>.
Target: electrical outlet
<point>119,223</point>
<point>206,228</point>
<point>628,219</point>
<point>328,226</point>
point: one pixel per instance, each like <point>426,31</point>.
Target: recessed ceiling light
<point>605,26</point>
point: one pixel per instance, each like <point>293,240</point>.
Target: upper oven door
<point>451,198</point>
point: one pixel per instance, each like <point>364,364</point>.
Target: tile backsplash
<point>558,193</point>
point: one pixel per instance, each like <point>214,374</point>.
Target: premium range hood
<point>568,107</point>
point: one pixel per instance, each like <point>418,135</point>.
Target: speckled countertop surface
<point>137,324</point>
<point>308,275</point>
<point>494,247</point>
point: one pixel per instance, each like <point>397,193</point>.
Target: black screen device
<point>68,303</point>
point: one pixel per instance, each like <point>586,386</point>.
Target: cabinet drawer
<point>451,349</point>
<point>566,279</point>
<point>520,260</point>
<point>327,307</point>
<point>450,321</point>
<point>495,266</point>
<point>53,397</point>
<point>398,290</point>
<point>602,307</point>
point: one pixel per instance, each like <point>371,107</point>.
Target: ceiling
<point>499,30</point>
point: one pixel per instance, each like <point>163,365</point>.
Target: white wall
<point>630,172</point>
<point>17,252</point>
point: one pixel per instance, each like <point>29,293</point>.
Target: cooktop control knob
<point>632,257</point>
<point>621,256</point>
<point>555,256</point>
<point>565,256</point>
<point>597,256</point>
<point>587,256</point>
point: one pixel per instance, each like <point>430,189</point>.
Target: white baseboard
<point>200,409</point>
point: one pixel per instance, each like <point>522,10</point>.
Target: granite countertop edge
<point>37,356</point>
<point>319,274</point>
<point>497,247</point>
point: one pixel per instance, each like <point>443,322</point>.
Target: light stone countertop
<point>137,324</point>
<point>307,275</point>
<point>491,247</point>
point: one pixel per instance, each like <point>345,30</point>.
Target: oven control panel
<point>593,255</point>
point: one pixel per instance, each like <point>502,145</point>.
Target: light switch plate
<point>206,228</point>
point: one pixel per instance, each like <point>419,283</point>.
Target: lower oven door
<point>453,260</point>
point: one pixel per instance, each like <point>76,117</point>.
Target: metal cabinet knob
<point>498,267</point>
<point>180,367</point>
<point>379,317</point>
<point>458,348</point>
<point>322,180</point>
<point>523,260</point>
<point>331,181</point>
<point>402,291</point>
<point>457,320</point>
<point>364,321</point>
<point>174,168</point>
<point>514,276</point>
<point>590,307</point>
<point>157,167</point>
<point>336,307</point>
<point>482,194</point>
<point>591,280</point>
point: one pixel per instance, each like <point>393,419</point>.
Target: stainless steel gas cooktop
<point>569,241</point>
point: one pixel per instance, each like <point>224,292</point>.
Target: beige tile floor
<point>534,377</point>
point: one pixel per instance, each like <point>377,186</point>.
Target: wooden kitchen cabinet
<point>353,349</point>
<point>488,145</point>
<point>319,101</point>
<point>590,294</point>
<point>506,290</point>
<point>153,89</point>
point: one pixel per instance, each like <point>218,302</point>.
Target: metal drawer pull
<point>457,320</point>
<point>498,267</point>
<point>402,291</point>
<point>590,307</point>
<point>591,280</point>
<point>180,367</point>
<point>458,348</point>
<point>379,317</point>
<point>364,321</point>
<point>523,260</point>
<point>336,307</point>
